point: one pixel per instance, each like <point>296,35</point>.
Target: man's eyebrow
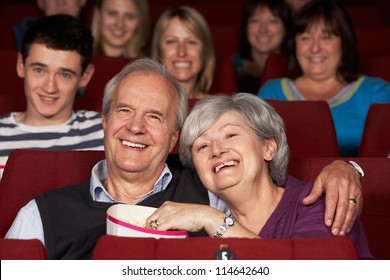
<point>157,112</point>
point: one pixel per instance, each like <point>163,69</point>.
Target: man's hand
<point>341,183</point>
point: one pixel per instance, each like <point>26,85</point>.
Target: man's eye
<point>122,110</point>
<point>155,117</point>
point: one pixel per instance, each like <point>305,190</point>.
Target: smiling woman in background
<point>120,27</point>
<point>263,28</point>
<point>182,42</point>
<point>323,64</point>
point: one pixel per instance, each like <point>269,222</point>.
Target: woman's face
<point>265,31</point>
<point>318,52</point>
<point>181,51</point>
<point>230,154</point>
<point>118,21</point>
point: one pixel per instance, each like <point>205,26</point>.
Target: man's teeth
<point>229,163</point>
<point>133,145</point>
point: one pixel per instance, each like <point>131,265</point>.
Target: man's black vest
<point>73,222</point>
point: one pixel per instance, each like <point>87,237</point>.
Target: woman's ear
<point>270,147</point>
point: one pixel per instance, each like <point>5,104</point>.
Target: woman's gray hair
<point>147,66</point>
<point>260,116</point>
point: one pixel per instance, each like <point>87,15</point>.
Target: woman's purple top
<point>292,219</point>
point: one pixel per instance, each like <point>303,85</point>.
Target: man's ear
<point>20,65</point>
<point>175,139</point>
<point>104,121</point>
<point>87,75</point>
<point>270,147</point>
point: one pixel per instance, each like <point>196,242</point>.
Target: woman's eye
<point>229,136</point>
<point>193,42</point>
<point>169,41</point>
<point>202,147</point>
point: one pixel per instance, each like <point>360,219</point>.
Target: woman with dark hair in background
<point>323,64</point>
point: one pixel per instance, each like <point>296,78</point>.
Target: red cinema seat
<point>309,127</point>
<point>206,248</point>
<point>274,68</point>
<point>376,135</point>
<point>12,96</point>
<point>105,69</point>
<point>30,172</point>
<point>22,249</point>
<point>377,66</point>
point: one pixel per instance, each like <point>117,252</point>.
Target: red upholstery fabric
<point>105,69</point>
<point>365,15</point>
<point>16,12</point>
<point>12,90</point>
<point>309,128</point>
<point>122,248</point>
<point>28,173</point>
<point>376,134</point>
<point>6,35</point>
<point>377,66</point>
<point>373,41</point>
<point>376,193</point>
<point>274,68</point>
<point>21,249</point>
<point>205,248</point>
<point>225,77</point>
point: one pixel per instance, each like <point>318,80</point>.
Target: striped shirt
<point>83,131</point>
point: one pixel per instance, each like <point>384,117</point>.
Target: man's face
<point>54,7</point>
<point>139,129</point>
<point>51,79</point>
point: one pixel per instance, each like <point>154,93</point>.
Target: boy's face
<point>51,79</point>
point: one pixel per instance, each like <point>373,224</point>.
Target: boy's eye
<point>38,70</point>
<point>65,75</point>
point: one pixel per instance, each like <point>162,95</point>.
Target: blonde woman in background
<point>120,27</point>
<point>182,41</point>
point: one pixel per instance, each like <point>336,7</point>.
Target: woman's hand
<point>341,182</point>
<point>185,216</point>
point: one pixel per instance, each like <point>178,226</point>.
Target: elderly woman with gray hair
<point>238,146</point>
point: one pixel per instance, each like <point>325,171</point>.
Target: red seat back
<point>22,249</point>
<point>105,69</point>
<point>274,68</point>
<point>377,66</point>
<point>376,134</point>
<point>12,96</point>
<point>309,128</point>
<point>30,172</point>
<point>205,248</point>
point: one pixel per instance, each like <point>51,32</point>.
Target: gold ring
<point>352,200</point>
<point>154,224</point>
